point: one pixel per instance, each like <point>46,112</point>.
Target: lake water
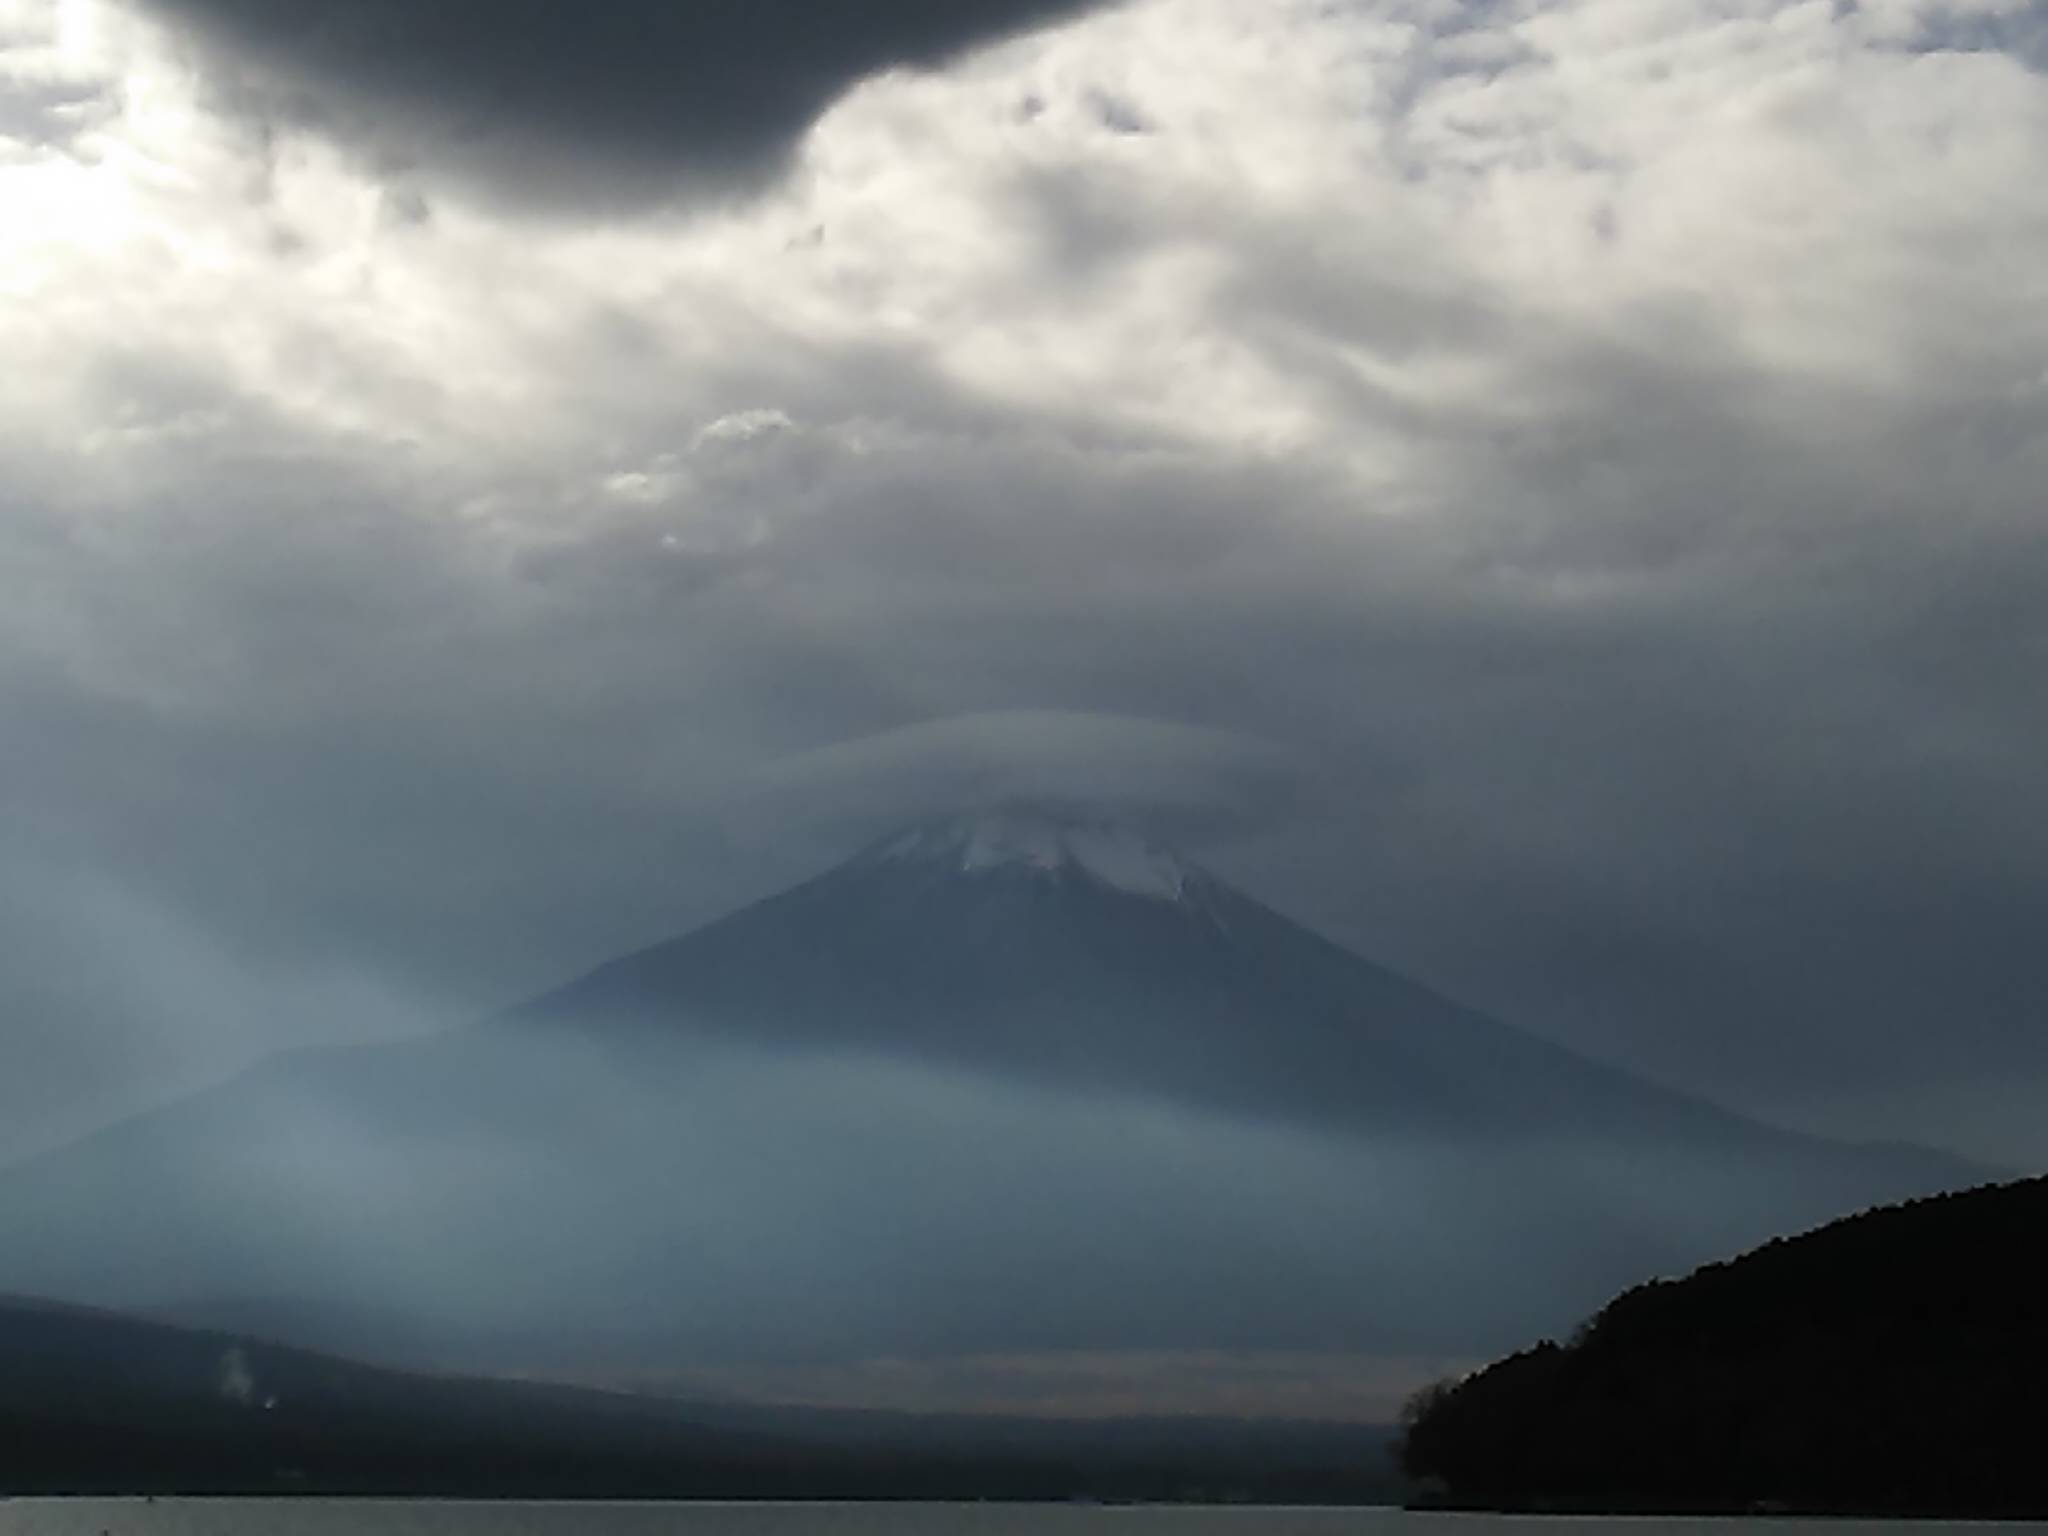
<point>203,1517</point>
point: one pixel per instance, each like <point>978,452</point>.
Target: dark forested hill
<point>1893,1362</point>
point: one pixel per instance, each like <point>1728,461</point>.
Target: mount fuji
<point>1072,950</point>
<point>1023,1081</point>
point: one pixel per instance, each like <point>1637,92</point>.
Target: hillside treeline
<point>1895,1362</point>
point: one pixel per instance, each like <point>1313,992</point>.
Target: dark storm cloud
<point>578,104</point>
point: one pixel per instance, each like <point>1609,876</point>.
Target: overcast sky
<point>1548,491</point>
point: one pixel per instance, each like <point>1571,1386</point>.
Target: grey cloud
<point>577,105</point>
<point>1117,114</point>
<point>49,114</point>
<point>2021,30</point>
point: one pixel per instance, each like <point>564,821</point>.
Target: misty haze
<point>1008,1083</point>
<point>1199,751</point>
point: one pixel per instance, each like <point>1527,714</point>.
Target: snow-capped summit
<point>1046,841</point>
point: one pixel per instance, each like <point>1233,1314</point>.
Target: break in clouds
<point>1548,493</point>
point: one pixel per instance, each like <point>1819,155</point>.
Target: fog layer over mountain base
<point>1022,1083</point>
<point>558,1204</point>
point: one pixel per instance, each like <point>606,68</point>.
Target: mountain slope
<point>1008,1083</point>
<point>1081,953</point>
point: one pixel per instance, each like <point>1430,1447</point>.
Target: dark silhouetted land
<point>96,1403</point>
<point>1892,1363</point>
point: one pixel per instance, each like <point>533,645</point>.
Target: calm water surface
<point>248,1517</point>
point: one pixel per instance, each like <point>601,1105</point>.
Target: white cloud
<point>1329,202</point>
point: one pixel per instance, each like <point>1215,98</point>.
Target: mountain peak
<point>1044,841</point>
